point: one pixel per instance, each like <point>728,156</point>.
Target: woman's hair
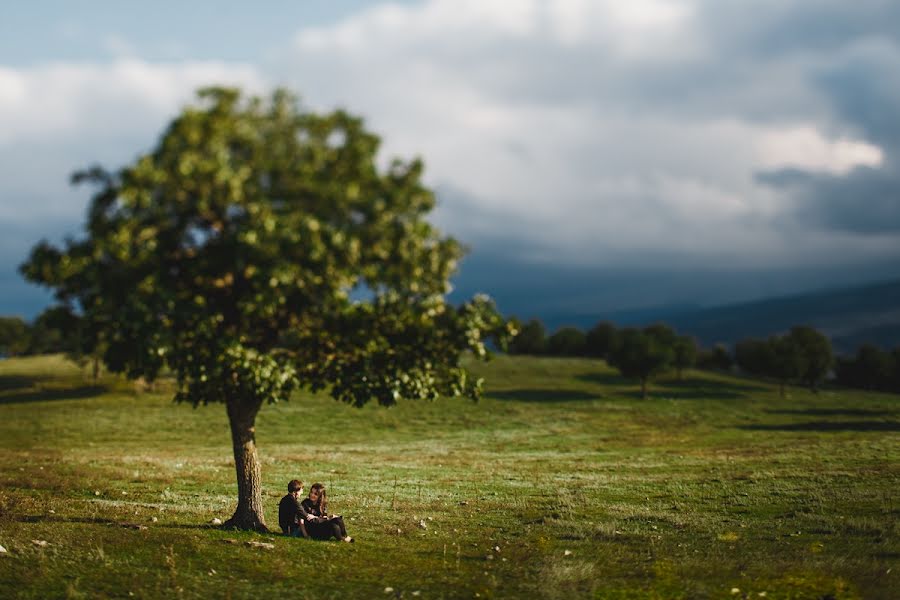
<point>321,501</point>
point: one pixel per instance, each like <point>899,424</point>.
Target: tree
<point>52,331</point>
<point>894,378</point>
<point>74,336</point>
<point>775,358</point>
<point>530,339</point>
<point>55,330</point>
<point>815,355</point>
<point>13,336</point>
<point>684,351</point>
<point>662,333</point>
<point>599,340</point>
<point>259,248</point>
<point>786,361</point>
<point>566,341</point>
<point>753,356</point>
<point>640,355</point>
<point>870,369</point>
<point>717,359</point>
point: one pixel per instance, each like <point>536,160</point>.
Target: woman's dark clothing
<point>323,530</point>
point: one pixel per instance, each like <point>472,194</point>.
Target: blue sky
<point>596,155</point>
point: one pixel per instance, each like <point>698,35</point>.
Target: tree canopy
<point>260,248</point>
<point>531,338</point>
<point>599,340</point>
<point>566,341</point>
<point>642,354</point>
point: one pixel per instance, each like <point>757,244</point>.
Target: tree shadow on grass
<point>695,390</point>
<point>666,393</point>
<point>690,388</point>
<point>832,412</point>
<point>15,382</point>
<point>56,519</point>
<point>537,395</point>
<point>74,393</point>
<point>826,426</point>
<point>690,383</point>
<point>113,522</point>
<point>605,378</point>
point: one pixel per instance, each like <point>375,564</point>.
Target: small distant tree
<point>80,339</point>
<point>894,378</point>
<point>754,356</point>
<point>684,352</point>
<point>640,355</point>
<point>870,369</point>
<point>717,358</point>
<point>567,341</point>
<point>52,331</point>
<point>893,384</point>
<point>230,253</point>
<point>530,339</point>
<point>786,361</point>
<point>13,336</point>
<point>815,355</point>
<point>776,358</point>
<point>600,339</point>
<point>662,333</point>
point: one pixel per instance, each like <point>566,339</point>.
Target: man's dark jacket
<point>290,514</point>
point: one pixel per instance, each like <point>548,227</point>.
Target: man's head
<point>295,486</point>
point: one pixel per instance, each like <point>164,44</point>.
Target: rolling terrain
<point>561,482</point>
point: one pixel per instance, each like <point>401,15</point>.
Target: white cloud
<point>55,118</point>
<point>804,147</point>
<point>597,130</point>
<point>128,95</point>
<point>635,29</point>
<point>594,129</point>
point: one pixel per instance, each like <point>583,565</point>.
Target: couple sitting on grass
<point>310,517</point>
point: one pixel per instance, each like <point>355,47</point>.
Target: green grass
<point>713,483</point>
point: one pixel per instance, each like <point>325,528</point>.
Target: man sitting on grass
<point>290,513</point>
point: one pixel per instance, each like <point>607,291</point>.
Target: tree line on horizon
<point>802,356</point>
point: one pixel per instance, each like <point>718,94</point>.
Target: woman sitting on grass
<point>319,524</point>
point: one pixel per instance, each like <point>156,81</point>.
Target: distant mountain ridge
<point>850,316</point>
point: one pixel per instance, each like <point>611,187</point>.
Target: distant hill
<point>850,316</point>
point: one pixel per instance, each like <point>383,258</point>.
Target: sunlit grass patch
<point>667,497</point>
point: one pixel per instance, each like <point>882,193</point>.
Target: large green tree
<point>260,248</point>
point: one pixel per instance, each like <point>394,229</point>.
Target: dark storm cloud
<point>865,201</point>
<point>623,141</point>
<point>777,28</point>
<point>864,89</point>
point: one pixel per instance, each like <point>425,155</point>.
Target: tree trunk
<point>644,389</point>
<point>249,511</point>
<point>96,368</point>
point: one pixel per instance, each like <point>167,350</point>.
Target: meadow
<point>560,483</point>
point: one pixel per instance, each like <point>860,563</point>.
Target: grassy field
<point>562,482</point>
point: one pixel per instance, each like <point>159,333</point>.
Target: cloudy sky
<point>596,155</point>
